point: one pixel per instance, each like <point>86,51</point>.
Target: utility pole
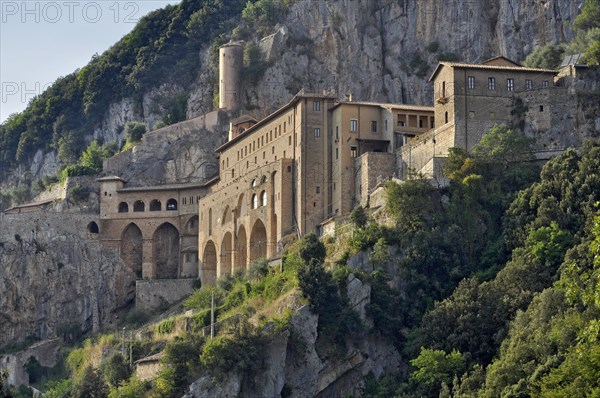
<point>131,349</point>
<point>123,342</point>
<point>212,314</point>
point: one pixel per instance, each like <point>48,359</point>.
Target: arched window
<point>138,206</point>
<point>263,179</point>
<point>263,198</point>
<point>171,204</point>
<point>93,228</point>
<point>255,201</point>
<point>123,207</point>
<point>253,184</point>
<point>155,205</point>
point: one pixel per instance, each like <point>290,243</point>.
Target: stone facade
<point>151,293</point>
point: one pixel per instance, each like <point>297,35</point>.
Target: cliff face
<point>54,274</point>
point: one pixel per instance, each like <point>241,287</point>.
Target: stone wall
<point>420,150</point>
<point>46,353</point>
<point>150,293</point>
<point>371,170</point>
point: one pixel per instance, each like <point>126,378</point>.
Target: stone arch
<point>242,209</point>
<point>139,206</point>
<point>123,207</point>
<point>93,228</point>
<point>131,248</point>
<point>191,226</point>
<point>241,249</point>
<point>165,251</point>
<point>226,254</point>
<point>171,204</point>
<point>258,241</point>
<point>226,216</point>
<point>155,205</point>
<point>209,263</point>
<point>263,198</point>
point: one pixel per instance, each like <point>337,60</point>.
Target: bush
<point>359,217</point>
<point>166,326</point>
<point>115,370</point>
<point>311,248</point>
<point>134,131</point>
<point>258,269</point>
<point>137,316</point>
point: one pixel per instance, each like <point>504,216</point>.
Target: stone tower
<point>231,60</point>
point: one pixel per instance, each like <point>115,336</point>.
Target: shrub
<point>134,131</point>
<point>258,269</point>
<point>166,326</point>
<point>115,370</point>
<point>311,248</point>
<point>359,217</point>
<point>136,316</point>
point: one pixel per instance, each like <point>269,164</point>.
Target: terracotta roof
<point>489,67</point>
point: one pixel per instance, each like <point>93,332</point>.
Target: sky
<point>41,41</point>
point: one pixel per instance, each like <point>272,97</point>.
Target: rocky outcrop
<point>293,367</point>
<point>55,276</point>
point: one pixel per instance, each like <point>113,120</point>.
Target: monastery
<point>313,160</point>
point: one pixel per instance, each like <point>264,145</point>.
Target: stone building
<point>287,173</point>
<point>471,98</point>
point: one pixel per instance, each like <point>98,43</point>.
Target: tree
<point>115,370</point>
<point>134,131</point>
<point>89,385</point>
<point>436,367</point>
<point>359,217</point>
<point>547,56</point>
<point>311,248</point>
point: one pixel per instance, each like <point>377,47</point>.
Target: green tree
<point>547,56</point>
<point>359,217</point>
<point>115,370</point>
<point>134,131</point>
<point>436,367</point>
<point>89,385</point>
<point>132,388</point>
<point>311,248</point>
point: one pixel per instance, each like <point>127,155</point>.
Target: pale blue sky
<point>43,40</point>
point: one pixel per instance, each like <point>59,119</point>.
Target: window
<point>353,151</point>
<point>510,84</point>
<point>253,183</point>
<point>446,117</point>
<point>431,122</point>
<point>337,132</point>
<point>336,154</point>
<point>255,201</point>
<point>232,173</point>
<point>421,123</point>
<point>171,204</point>
<point>354,125</point>
<point>316,106</point>
<point>401,123</point>
<point>373,126</point>
<point>263,180</point>
<point>471,82</point>
<point>541,108</point>
<point>443,89</point>
<point>528,84</point>
<point>284,127</point>
<point>263,198</point>
<point>272,150</point>
<point>386,125</point>
<point>545,84</point>
<point>138,206</point>
<point>491,83</point>
<point>318,190</point>
<point>155,205</point>
<point>290,140</point>
<point>123,207</point>
<point>184,201</point>
<point>317,132</point>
